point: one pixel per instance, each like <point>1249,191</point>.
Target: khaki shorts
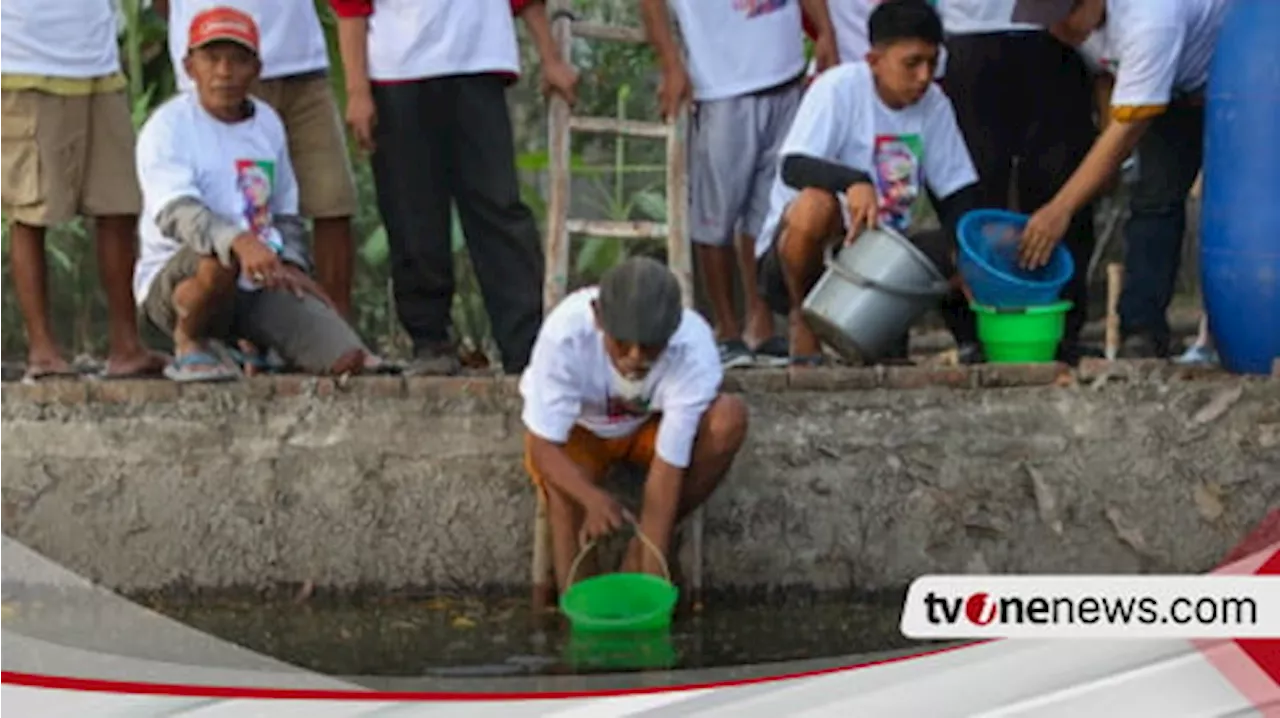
<point>306,332</point>
<point>317,143</point>
<point>65,156</point>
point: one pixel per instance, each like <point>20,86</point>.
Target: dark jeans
<point>444,141</point>
<point>1169,158</point>
<point>1029,97</point>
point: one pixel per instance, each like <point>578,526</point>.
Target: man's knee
<point>724,425</point>
<point>809,221</point>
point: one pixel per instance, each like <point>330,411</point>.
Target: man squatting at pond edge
<point>623,373</point>
<point>867,143</point>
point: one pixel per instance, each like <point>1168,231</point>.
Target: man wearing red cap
<point>224,252</point>
<point>426,93</point>
<point>67,151</point>
<point>295,82</point>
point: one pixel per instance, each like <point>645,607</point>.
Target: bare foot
<point>46,364</point>
<point>141,362</point>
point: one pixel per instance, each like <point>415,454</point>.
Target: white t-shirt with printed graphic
<point>569,383</point>
<point>1161,48</point>
<point>290,35</point>
<point>736,47</point>
<point>419,39</point>
<point>842,119</point>
<point>59,38</point>
<point>240,171</point>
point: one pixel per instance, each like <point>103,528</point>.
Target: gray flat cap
<point>640,302</point>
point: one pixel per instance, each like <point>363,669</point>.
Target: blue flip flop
<point>185,369</point>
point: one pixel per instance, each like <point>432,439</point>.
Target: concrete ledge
<point>852,478</point>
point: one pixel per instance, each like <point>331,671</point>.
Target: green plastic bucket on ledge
<point>618,603</point>
<point>1021,335</point>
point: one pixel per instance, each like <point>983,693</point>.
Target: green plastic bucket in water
<point>620,651</point>
<point>1022,335</point>
<point>620,602</point>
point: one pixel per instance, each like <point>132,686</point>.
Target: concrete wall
<point>858,478</point>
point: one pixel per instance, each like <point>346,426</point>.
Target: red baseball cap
<point>223,24</point>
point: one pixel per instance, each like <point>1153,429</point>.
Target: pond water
<point>459,637</point>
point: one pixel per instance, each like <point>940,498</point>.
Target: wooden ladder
<point>560,228</point>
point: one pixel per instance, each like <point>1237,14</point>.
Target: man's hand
<point>257,260</point>
<point>362,117</point>
<point>864,209</point>
<point>293,279</point>
<point>604,515</point>
<point>559,77</point>
<point>825,53</point>
<point>1043,232</point>
<point>674,90</point>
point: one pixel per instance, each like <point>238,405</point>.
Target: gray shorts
<point>733,161</point>
<point>304,331</point>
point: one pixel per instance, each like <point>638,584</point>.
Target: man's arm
<point>557,74</point>
<point>675,88</point>
<point>801,171</point>
<point>353,46</point>
<point>692,387</point>
<point>826,53</point>
<point>189,221</point>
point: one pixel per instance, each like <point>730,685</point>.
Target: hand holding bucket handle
<point>935,289</point>
<point>635,526</point>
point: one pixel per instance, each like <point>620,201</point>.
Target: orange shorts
<point>596,455</point>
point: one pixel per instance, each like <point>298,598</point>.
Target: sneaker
<point>970,353</point>
<point>773,352</point>
<point>734,354</point>
<point>434,360</point>
<point>1199,355</point>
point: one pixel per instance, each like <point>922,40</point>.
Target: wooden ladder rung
<point>634,128</point>
<point>615,228</point>
<point>617,33</point>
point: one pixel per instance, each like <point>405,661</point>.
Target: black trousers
<point>443,142</point>
<point>1027,96</point>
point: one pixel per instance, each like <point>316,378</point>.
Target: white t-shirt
<point>842,119</point>
<point>240,171</point>
<point>289,31</point>
<point>736,47</point>
<point>569,382</point>
<point>1161,48</point>
<point>59,38</point>
<point>963,17</point>
<point>418,39</point>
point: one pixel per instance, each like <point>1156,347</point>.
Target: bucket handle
<point>582,553</point>
<point>935,289</point>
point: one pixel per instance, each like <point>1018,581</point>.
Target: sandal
<point>199,366</point>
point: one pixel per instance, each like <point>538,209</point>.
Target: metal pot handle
<point>935,289</point>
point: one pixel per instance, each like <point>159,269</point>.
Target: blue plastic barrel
<point>1240,210</point>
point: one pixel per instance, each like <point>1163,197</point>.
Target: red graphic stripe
<point>95,685</point>
<point>1266,651</point>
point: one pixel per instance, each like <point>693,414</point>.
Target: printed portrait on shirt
<point>255,180</point>
<point>756,8</point>
<point>898,178</point>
